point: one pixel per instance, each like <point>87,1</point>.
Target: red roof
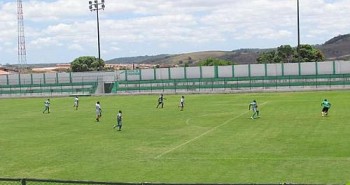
<point>3,72</point>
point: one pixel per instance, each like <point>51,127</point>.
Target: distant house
<point>3,71</point>
<point>57,68</point>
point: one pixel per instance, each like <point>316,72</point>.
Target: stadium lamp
<point>96,6</point>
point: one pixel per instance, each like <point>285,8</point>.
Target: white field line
<point>271,159</point>
<point>205,133</point>
<point>206,115</point>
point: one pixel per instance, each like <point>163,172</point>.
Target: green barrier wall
<point>228,84</point>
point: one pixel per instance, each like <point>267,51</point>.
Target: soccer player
<point>98,111</point>
<point>76,102</point>
<point>47,106</point>
<point>254,106</point>
<point>182,101</point>
<point>325,107</point>
<point>119,121</point>
<point>160,100</point>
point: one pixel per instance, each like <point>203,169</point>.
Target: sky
<point>58,31</point>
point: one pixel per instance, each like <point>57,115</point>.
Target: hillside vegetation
<point>336,48</point>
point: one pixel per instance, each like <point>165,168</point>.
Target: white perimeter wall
<point>310,68</point>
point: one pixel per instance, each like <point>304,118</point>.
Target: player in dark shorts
<point>325,107</point>
<point>182,102</point>
<point>160,101</point>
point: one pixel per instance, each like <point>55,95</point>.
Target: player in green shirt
<point>325,107</point>
<point>119,121</point>
<point>161,101</point>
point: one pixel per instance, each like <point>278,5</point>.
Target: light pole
<point>96,6</point>
<point>298,25</point>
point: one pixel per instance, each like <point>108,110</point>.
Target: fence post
<point>82,84</point>
<point>19,78</point>
<point>19,82</point>
<point>140,85</point>
<point>23,181</point>
<point>7,80</point>
<point>299,67</point>
<point>282,66</point>
<point>316,69</point>
<point>70,77</point>
<point>334,72</point>
<point>31,78</point>
<point>233,71</point>
<point>41,90</point>
<point>216,71</point>
<point>199,83</point>
<point>154,74</point>
<point>169,73</point>
<point>185,72</point>
<point>56,78</point>
<point>249,71</point>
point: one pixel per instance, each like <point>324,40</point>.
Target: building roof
<point>2,72</point>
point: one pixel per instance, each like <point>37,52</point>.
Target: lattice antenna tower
<point>22,59</point>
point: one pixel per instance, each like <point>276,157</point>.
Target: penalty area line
<point>203,134</point>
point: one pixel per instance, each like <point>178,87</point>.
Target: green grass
<point>212,141</point>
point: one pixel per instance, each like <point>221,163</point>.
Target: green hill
<point>336,48</point>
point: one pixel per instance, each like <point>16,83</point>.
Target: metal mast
<point>298,27</point>
<point>96,6</point>
<point>21,40</point>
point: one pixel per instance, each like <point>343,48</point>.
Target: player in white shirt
<point>76,102</point>
<point>182,103</point>
<point>254,106</point>
<point>47,106</point>
<point>98,111</point>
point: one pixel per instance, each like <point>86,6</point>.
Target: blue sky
<point>58,31</point>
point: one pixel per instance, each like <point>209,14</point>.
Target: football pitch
<point>213,140</point>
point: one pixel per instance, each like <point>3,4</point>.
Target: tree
<point>214,62</point>
<point>266,57</point>
<point>87,63</point>
<point>310,54</point>
<point>287,54</point>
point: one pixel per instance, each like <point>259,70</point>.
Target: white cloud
<point>44,42</point>
<point>113,48</point>
<point>166,25</point>
<point>76,47</point>
<point>36,10</point>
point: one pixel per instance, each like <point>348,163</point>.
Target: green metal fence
<point>83,88</point>
<point>238,83</point>
<point>9,181</point>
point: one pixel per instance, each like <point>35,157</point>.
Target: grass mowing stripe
<point>203,134</point>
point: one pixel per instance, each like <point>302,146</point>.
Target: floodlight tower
<point>21,39</point>
<point>96,6</point>
<point>298,28</point>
